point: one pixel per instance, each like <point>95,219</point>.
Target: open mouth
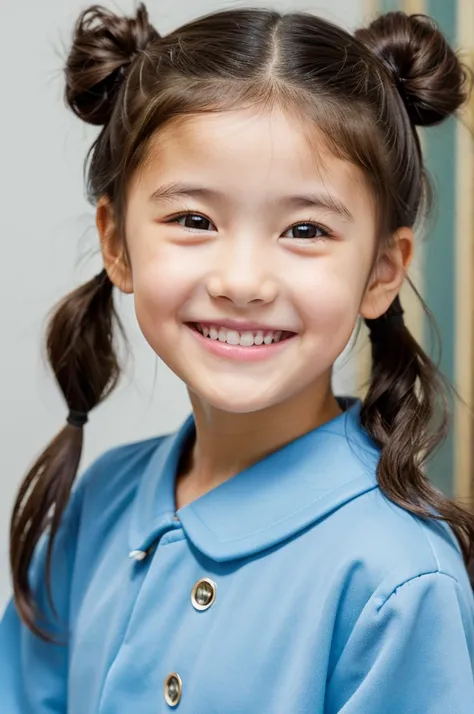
<point>245,338</point>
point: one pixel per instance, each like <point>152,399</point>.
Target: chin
<point>236,401</point>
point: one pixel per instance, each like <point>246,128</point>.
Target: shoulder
<point>393,547</point>
<point>390,540</point>
<point>386,565</point>
<point>113,477</point>
<point>103,501</point>
<point>123,460</point>
<point>414,544</point>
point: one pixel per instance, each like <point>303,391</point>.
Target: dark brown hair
<point>366,93</point>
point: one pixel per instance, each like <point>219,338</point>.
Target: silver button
<point>203,594</point>
<point>173,689</point>
<point>138,554</point>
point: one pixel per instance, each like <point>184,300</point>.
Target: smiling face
<point>250,256</point>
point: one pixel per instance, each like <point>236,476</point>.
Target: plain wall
<point>49,242</point>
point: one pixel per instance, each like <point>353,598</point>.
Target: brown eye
<point>308,231</point>
<point>193,221</point>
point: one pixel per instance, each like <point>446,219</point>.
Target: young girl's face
<point>239,226</point>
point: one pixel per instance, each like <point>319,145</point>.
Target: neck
<point>228,443</point>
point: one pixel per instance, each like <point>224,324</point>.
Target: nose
<point>243,277</point>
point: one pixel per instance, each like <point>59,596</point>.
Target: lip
<point>240,326</point>
<point>238,353</point>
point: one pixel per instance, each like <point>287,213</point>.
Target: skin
<point>247,261</point>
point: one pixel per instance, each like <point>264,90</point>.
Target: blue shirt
<point>317,594</point>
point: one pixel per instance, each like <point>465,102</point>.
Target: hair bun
<point>431,79</point>
<point>104,45</point>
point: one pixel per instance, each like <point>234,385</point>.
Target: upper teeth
<point>245,339</point>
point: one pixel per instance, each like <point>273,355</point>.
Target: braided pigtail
<point>80,349</point>
<point>406,408</point>
<point>80,334</point>
<point>405,412</point>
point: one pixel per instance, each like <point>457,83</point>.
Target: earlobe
<point>113,249</point>
<point>388,275</point>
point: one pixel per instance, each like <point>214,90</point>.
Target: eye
<point>307,231</point>
<point>193,221</point>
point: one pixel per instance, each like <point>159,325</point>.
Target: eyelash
<point>326,234</point>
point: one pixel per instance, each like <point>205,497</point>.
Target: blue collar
<point>271,501</point>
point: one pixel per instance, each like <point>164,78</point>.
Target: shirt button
<point>203,594</point>
<point>138,554</point>
<point>173,689</point>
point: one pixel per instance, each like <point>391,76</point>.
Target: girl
<point>257,178</point>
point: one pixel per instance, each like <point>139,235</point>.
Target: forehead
<point>250,150</point>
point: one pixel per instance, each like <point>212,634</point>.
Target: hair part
<point>366,93</point>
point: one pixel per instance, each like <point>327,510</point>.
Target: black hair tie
<point>77,419</point>
<point>395,312</point>
<point>396,319</point>
<point>393,317</point>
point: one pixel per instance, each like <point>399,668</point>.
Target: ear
<point>388,274</point>
<point>114,255</point>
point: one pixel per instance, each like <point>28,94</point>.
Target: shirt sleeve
<point>33,673</point>
<point>408,653</point>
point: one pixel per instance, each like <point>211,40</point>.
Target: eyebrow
<point>325,201</point>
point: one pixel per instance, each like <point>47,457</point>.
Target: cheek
<point>162,280</point>
<point>329,298</point>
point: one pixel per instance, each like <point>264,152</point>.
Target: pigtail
<point>80,349</point>
<point>80,334</point>
<point>406,413</point>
